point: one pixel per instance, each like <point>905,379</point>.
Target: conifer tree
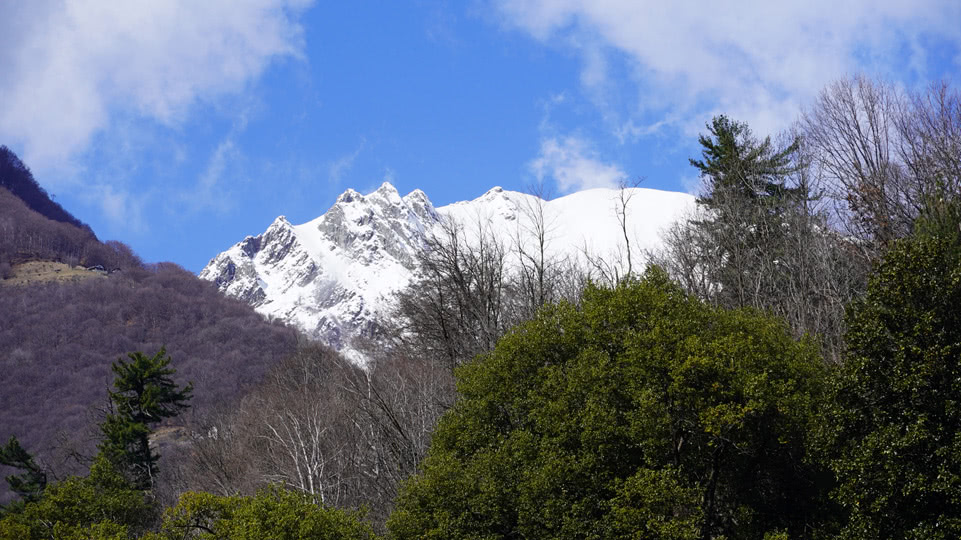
<point>144,395</point>
<point>29,484</point>
<point>737,165</point>
<point>754,218</point>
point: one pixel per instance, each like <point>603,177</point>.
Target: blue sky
<point>179,127</point>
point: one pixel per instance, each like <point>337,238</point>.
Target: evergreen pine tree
<point>29,484</point>
<point>737,165</point>
<point>144,395</point>
<point>751,212</point>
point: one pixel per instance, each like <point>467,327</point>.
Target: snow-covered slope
<point>334,277</point>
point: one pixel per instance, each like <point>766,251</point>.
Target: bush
<point>99,505</point>
<point>272,513</point>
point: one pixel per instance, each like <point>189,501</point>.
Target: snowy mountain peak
<point>349,196</point>
<point>387,190</point>
<point>336,276</point>
<point>416,195</point>
<point>280,224</point>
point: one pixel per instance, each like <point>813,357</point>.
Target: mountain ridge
<point>335,276</point>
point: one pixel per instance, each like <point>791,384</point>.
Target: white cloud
<point>70,66</point>
<point>118,205</point>
<point>758,61</point>
<point>340,166</point>
<point>574,165</point>
<point>209,193</point>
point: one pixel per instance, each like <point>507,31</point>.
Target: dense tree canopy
<point>895,430</point>
<point>273,513</point>
<point>98,506</point>
<point>643,414</point>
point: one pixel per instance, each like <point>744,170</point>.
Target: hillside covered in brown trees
<point>59,332</point>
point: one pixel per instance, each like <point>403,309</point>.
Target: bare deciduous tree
<point>612,268</point>
<point>458,308</point>
<point>889,154</point>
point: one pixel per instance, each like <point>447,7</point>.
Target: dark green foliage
<point>643,414</point>
<point>737,164</point>
<point>895,430</point>
<point>273,513</point>
<point>145,395</point>
<point>750,238</point>
<point>30,483</point>
<point>101,505</point>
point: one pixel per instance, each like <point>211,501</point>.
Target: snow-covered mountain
<point>334,277</point>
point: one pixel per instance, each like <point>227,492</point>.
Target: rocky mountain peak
<point>335,277</point>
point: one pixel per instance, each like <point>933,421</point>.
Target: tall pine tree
<point>31,482</point>
<point>737,165</point>
<point>144,395</point>
<point>751,211</point>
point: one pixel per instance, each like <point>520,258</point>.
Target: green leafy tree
<point>102,505</point>
<point>144,394</point>
<point>273,513</point>
<point>29,484</point>
<point>894,432</point>
<point>644,413</point>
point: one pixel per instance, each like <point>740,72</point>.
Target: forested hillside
<point>58,338</point>
<point>18,180</point>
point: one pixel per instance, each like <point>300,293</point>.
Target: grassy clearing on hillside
<point>33,272</point>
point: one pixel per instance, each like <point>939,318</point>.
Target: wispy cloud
<point>390,176</point>
<point>756,60</point>
<point>693,185</point>
<point>342,165</point>
<point>574,165</point>
<point>118,205</point>
<point>211,192</point>
<point>71,66</point>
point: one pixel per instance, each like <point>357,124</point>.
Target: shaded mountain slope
<point>58,339</point>
<point>17,178</point>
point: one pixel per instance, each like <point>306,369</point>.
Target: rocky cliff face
<point>336,276</point>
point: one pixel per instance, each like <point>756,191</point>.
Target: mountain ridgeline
<point>18,180</point>
<point>337,277</point>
